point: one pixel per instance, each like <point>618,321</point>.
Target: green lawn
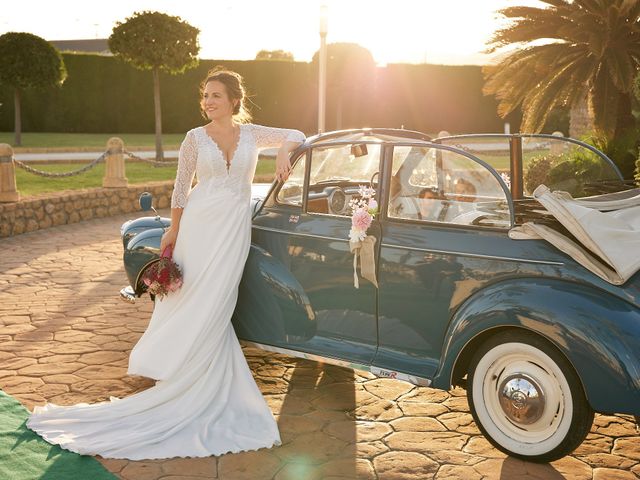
<point>136,172</point>
<point>90,140</point>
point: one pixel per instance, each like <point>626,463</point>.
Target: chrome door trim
<point>299,234</point>
<point>377,371</point>
<point>472,255</point>
<point>414,249</point>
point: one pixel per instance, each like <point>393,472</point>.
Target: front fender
<point>141,250</point>
<point>131,228</point>
<point>597,332</point>
<point>272,306</point>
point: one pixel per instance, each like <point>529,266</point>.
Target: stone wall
<point>73,206</point>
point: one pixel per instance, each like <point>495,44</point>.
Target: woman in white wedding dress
<point>205,401</point>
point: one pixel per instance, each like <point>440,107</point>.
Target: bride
<point>205,401</point>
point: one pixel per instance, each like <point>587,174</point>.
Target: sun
<point>414,31</point>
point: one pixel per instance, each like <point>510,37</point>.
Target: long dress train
<point>205,401</point>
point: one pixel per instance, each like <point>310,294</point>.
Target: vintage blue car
<point>539,342</point>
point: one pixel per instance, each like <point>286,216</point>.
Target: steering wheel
<point>491,217</point>
<point>372,177</point>
<point>477,221</point>
<point>398,207</point>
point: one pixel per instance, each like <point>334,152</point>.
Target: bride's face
<point>215,101</point>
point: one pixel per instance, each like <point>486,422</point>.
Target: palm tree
<point>566,52</point>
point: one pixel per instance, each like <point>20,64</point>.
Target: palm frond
<point>556,3</point>
<point>555,91</point>
<point>621,71</point>
<point>596,6</point>
<point>630,9</point>
<point>534,73</point>
<point>528,24</point>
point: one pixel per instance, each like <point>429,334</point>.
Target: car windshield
<point>355,163</point>
<point>553,161</point>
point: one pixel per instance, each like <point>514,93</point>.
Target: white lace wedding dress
<point>206,401</point>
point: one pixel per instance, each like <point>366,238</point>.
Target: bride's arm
<point>283,166</point>
<point>187,159</point>
<point>268,137</point>
<point>287,139</point>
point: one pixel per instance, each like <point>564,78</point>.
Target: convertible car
<point>539,342</point>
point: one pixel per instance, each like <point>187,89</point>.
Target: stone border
<point>71,206</point>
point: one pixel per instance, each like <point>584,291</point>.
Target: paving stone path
<point>65,337</point>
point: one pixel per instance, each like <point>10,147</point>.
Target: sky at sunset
<point>411,31</point>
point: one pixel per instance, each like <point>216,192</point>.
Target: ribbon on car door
<point>365,250</point>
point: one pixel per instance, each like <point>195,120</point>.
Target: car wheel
<point>526,398</point>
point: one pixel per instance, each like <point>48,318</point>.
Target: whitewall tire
<point>526,397</point>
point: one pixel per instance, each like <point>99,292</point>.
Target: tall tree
<point>350,74</point>
<point>274,55</point>
<point>158,42</point>
<point>28,61</point>
<point>566,53</point>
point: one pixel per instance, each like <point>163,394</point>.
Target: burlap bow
<point>364,249</point>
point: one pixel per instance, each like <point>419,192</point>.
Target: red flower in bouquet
<point>164,276</point>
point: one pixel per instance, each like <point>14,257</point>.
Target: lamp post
<point>322,68</point>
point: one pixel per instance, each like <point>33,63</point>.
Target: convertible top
<point>605,231</point>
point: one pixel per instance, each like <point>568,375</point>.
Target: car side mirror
<point>146,201</point>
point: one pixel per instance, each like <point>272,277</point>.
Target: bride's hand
<point>283,167</point>
<point>169,238</point>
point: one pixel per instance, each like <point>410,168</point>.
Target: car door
<point>445,220</point>
<point>306,229</point>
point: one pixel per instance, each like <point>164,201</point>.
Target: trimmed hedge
<point>104,95</point>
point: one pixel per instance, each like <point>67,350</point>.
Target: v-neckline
<point>227,161</point>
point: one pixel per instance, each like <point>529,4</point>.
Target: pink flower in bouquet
<point>361,219</point>
<point>373,206</point>
<point>175,285</point>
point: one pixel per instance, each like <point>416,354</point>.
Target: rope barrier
<point>42,173</point>
<point>155,163</point>
<point>89,166</point>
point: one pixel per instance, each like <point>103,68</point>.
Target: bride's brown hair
<point>234,85</point>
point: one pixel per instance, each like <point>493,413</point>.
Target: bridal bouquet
<point>364,209</point>
<point>164,276</point>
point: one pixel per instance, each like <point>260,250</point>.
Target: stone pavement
<point>65,337</point>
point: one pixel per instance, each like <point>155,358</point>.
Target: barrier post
<point>8,192</point>
<point>114,165</point>
<point>558,146</point>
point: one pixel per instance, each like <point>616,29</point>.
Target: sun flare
<point>411,31</point>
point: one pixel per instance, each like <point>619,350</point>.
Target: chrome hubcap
<point>521,399</point>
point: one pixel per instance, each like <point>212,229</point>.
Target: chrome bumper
<point>127,294</point>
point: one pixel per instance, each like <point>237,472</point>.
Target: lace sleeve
<point>186,170</point>
<point>268,137</point>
